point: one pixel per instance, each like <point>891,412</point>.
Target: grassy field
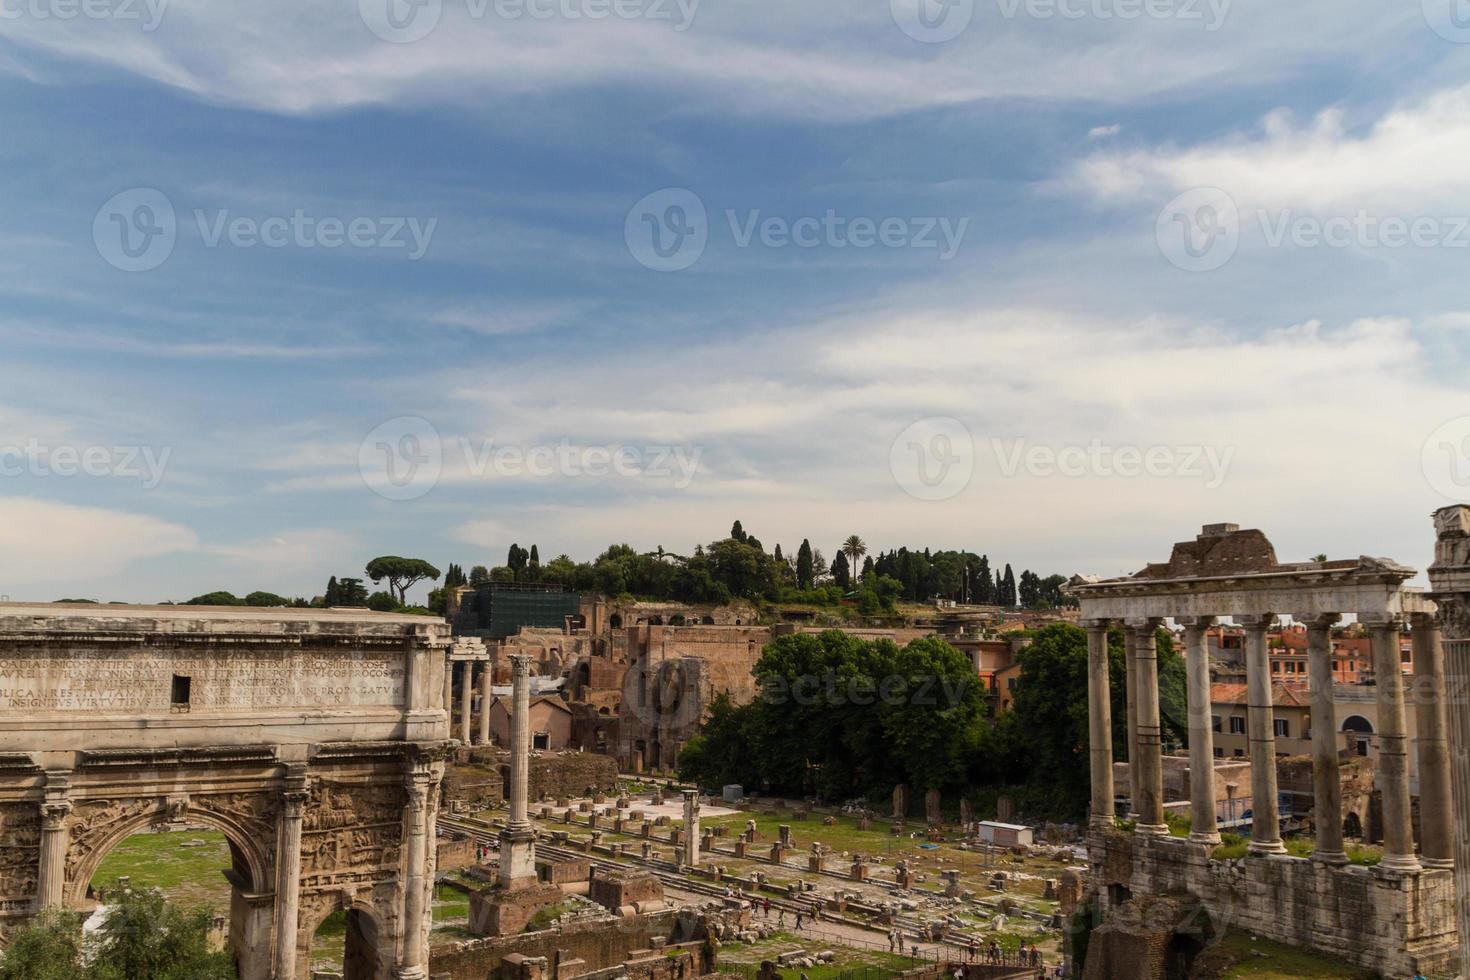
<point>1239,956</point>
<point>848,959</point>
<point>187,865</point>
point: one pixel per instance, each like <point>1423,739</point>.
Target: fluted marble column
<point>1261,729</point>
<point>1393,752</point>
<point>1147,774</point>
<point>1130,705</point>
<point>1100,724</point>
<point>517,841</point>
<point>51,882</point>
<point>288,872</point>
<point>416,905</point>
<point>1204,825</point>
<point>1326,775</point>
<point>449,692</point>
<point>1436,816</point>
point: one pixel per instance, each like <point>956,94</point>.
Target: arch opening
<point>347,941</point>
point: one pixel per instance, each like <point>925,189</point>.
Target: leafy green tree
<point>333,595</point>
<point>144,936</point>
<point>737,532</point>
<point>839,571</point>
<point>48,949</point>
<point>352,592</point>
<point>266,599</point>
<point>479,575</point>
<point>216,599</point>
<point>402,573</point>
<point>383,602</point>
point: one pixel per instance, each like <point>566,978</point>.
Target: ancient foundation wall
<point>600,944</point>
<point>1393,923</point>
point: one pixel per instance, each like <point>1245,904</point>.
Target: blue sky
<point>249,406</point>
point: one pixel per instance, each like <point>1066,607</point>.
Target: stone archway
<point>367,950</point>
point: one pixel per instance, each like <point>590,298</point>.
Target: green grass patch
<point>1239,955</point>
<point>186,865</point>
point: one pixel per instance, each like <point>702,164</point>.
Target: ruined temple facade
<point>1397,917</point>
<point>313,740</point>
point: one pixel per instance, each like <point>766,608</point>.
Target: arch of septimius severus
<point>314,740</point>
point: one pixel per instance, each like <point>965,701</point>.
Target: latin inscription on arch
<point>110,680</point>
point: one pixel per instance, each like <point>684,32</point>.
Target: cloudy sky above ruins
<point>1052,140</point>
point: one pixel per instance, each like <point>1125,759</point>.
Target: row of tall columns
<point>466,723</point>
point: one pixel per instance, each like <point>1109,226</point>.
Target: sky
<point>288,285</point>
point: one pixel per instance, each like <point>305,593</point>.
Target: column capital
<point>54,814</point>
<point>1094,624</point>
<point>1321,621</point>
<point>1257,621</point>
<point>1145,623</point>
<point>1197,622</point>
<point>1382,621</point>
<point>520,663</point>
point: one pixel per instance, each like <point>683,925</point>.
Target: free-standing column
<point>1261,729</point>
<point>1326,780</point>
<point>1147,773</point>
<point>487,677</point>
<point>51,884</point>
<point>1449,577</point>
<point>1393,753</point>
<point>691,827</point>
<point>416,908</point>
<point>288,872</point>
<point>466,698</point>
<point>1204,828</point>
<point>1436,818</point>
<point>1100,724</point>
<point>1130,701</point>
<point>517,841</point>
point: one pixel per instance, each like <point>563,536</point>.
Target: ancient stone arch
<point>313,740</point>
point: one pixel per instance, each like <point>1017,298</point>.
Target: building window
<point>1237,725</point>
<point>1240,753</point>
<point>1283,728</point>
<point>1334,665</point>
<point>1275,666</point>
<point>1214,723</point>
<point>179,693</point>
<point>1219,752</point>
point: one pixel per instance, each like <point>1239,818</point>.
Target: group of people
<point>1024,956</point>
